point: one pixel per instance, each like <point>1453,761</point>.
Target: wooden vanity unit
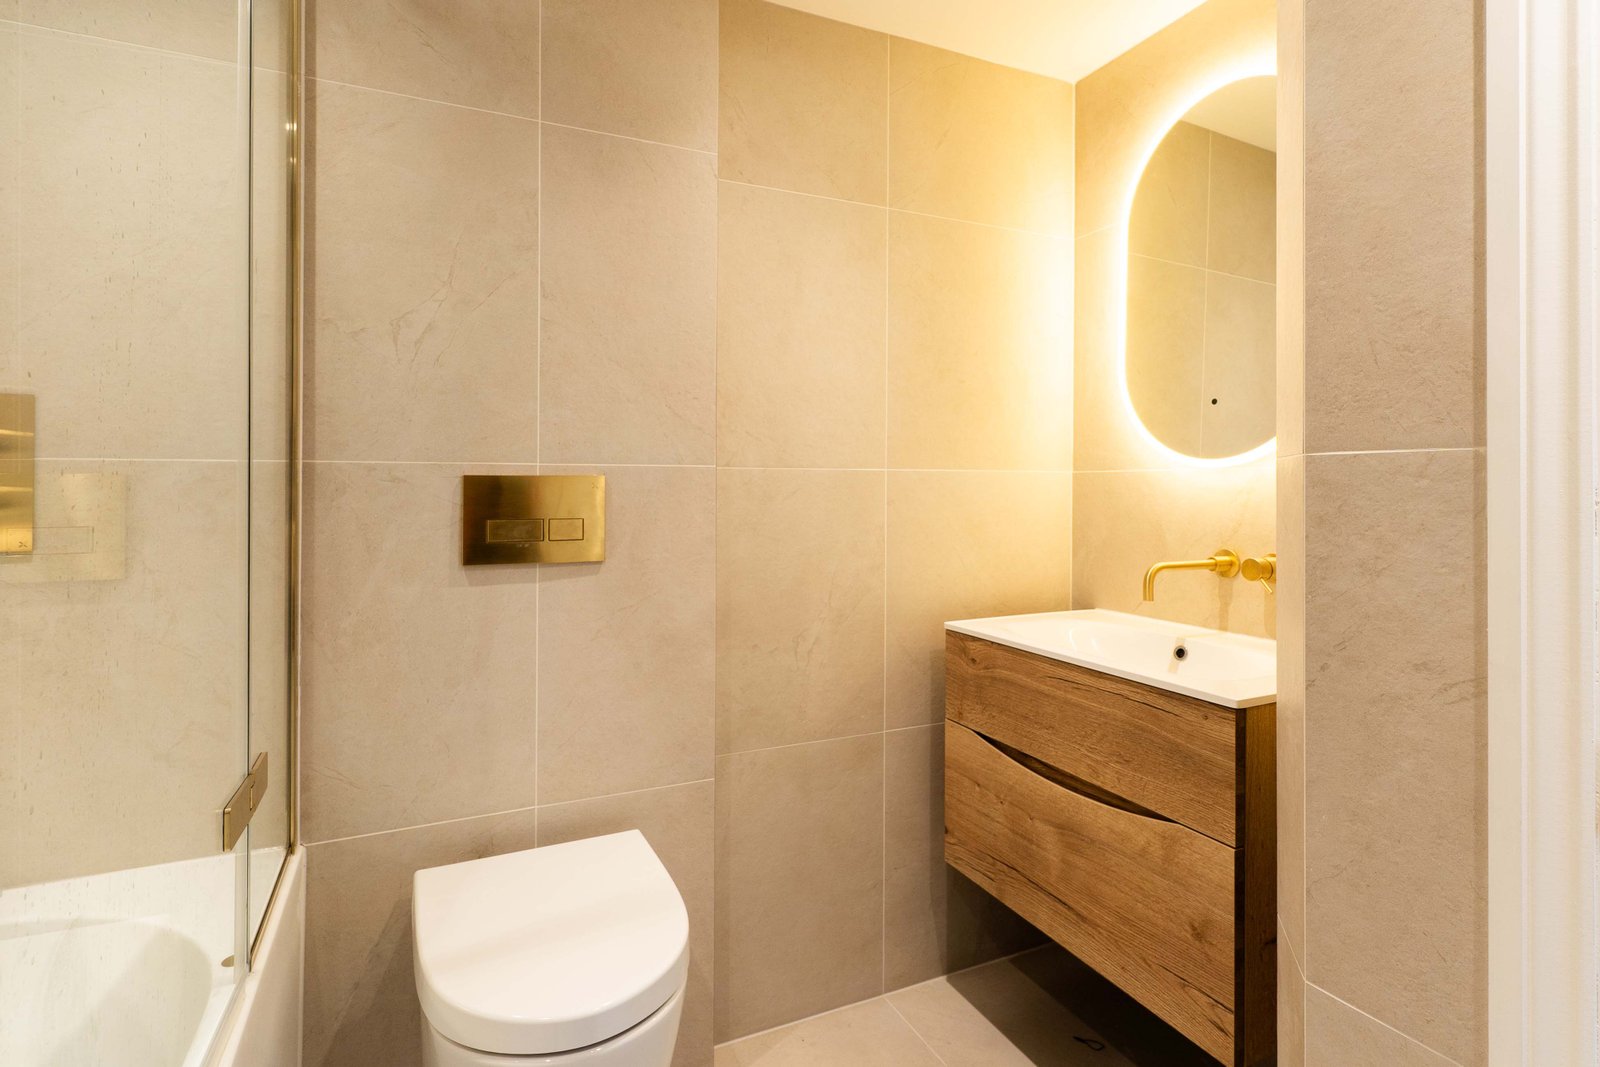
<point>1134,826</point>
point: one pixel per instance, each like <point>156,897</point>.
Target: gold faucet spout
<point>1225,563</point>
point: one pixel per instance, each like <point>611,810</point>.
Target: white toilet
<point>571,955</point>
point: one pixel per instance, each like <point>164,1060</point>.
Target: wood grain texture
<point>1257,880</point>
<point>1145,901</point>
<point>1170,753</point>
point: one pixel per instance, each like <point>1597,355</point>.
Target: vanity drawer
<point>1172,754</point>
<point>1145,901</point>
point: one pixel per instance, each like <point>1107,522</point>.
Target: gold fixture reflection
<point>1263,570</point>
<point>1225,563</point>
<point>522,518</point>
<point>16,474</point>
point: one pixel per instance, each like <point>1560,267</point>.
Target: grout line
<point>888,181</point>
<point>1386,1026</point>
<point>891,209</point>
<point>538,411</point>
<point>39,30</point>
<point>496,814</point>
<point>628,137</point>
<point>1206,270</point>
<point>313,80</point>
<point>912,1027</point>
<point>814,741</point>
<point>666,466</point>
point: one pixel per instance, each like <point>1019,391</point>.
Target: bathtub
<point>118,969</point>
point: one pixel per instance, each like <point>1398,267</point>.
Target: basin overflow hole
<point>1180,653</point>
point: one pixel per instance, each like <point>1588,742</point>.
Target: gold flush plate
<point>533,518</point>
<point>16,474</point>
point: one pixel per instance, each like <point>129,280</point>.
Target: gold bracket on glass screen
<point>16,474</point>
<point>533,518</point>
<point>241,807</point>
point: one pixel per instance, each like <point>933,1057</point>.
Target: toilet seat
<point>551,949</point>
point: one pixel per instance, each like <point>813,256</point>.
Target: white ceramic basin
<point>1228,669</point>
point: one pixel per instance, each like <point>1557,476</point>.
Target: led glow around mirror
<point>1200,332</point>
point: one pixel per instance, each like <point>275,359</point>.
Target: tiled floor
<point>1041,1008</point>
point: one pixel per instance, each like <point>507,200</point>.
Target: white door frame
<point>1541,114</point>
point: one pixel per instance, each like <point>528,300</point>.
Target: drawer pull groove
<point>1071,783</point>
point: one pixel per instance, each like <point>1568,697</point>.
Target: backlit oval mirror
<point>1202,259</point>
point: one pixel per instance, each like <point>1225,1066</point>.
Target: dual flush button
<point>538,518</point>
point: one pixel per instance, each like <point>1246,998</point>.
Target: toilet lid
<point>550,949</point>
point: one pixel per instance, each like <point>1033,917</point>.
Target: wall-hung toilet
<point>570,955</point>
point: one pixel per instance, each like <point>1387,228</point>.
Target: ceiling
<point>1062,38</point>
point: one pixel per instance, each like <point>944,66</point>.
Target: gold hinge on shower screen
<point>241,807</point>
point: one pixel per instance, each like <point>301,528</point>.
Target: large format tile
<point>627,647</point>
<point>679,823</point>
<point>791,940</point>
<point>1291,1006</point>
<point>629,263</point>
<point>800,577</point>
<point>1291,717</point>
<point>1239,387</point>
<point>1241,215</point>
<point>980,347</point>
<point>1394,343</point>
<point>10,206</point>
<point>1042,1008</point>
<point>1338,1035</point>
<point>642,68</point>
<point>479,53</point>
<point>870,1034</point>
<point>803,102</point>
<point>130,184</point>
<point>962,545</point>
<point>123,709</point>
<point>1166,349</point>
<point>1168,218</point>
<point>976,141</point>
<point>1123,521</point>
<point>422,277</point>
<point>800,330</point>
<point>935,920</point>
<point>1394,740</point>
<point>418,673</point>
<point>208,28</point>
<point>361,997</point>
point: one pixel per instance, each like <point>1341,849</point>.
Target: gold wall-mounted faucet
<point>1263,570</point>
<point>1225,563</point>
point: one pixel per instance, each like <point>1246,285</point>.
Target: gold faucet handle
<point>1263,569</point>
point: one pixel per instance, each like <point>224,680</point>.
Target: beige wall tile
<point>131,222</point>
<point>627,647</point>
<point>1291,1007</point>
<point>1239,387</point>
<point>123,714</point>
<point>1123,521</point>
<point>800,330</point>
<point>1166,332</point>
<point>1291,228</point>
<point>1338,1035</point>
<point>980,347</point>
<point>422,279</point>
<point>628,343</point>
<point>1243,210</point>
<point>361,995</point>
<point>679,822</point>
<point>966,544</point>
<point>976,141</point>
<point>1395,835</point>
<point>1291,726</point>
<point>418,673</point>
<point>935,920</point>
<point>800,578</point>
<point>803,102</point>
<point>1168,218</point>
<point>643,68</point>
<point>208,28</point>
<point>1125,107</point>
<point>10,206</point>
<point>479,53</point>
<point>1395,345</point>
<point>871,1034</point>
<point>791,943</point>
